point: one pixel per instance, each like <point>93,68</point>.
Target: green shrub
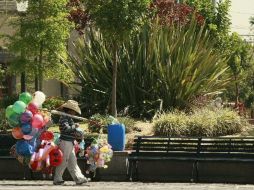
<point>173,123</point>
<point>53,102</point>
<point>98,123</point>
<point>128,122</point>
<point>201,122</point>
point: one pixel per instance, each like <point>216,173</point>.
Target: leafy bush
<point>98,123</point>
<point>53,102</point>
<point>173,123</point>
<point>128,122</point>
<point>202,122</point>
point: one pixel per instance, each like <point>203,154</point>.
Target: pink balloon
<point>33,107</point>
<point>37,121</point>
<point>27,137</point>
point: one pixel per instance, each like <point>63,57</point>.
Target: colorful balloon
<point>25,97</point>
<point>47,135</point>
<point>19,107</point>
<point>9,111</point>
<point>26,128</point>
<point>14,119</point>
<point>27,137</point>
<point>17,133</point>
<point>33,107</point>
<point>56,157</point>
<point>37,121</point>
<point>24,148</point>
<point>33,132</point>
<point>39,98</point>
<point>26,117</point>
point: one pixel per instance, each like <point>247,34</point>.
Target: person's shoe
<point>58,182</point>
<point>82,181</point>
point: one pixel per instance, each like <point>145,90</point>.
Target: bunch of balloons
<point>24,116</point>
<point>29,127</point>
<point>98,154</point>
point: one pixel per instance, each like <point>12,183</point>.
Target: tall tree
<point>116,20</point>
<point>43,40</point>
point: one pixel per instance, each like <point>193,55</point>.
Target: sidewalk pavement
<point>69,185</point>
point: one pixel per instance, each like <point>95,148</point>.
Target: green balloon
<point>9,111</point>
<point>14,120</point>
<point>19,107</point>
<point>25,97</point>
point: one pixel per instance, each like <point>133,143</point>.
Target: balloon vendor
<point>68,131</point>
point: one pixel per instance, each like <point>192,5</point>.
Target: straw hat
<point>73,105</point>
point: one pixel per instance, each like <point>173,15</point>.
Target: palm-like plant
<point>161,64</point>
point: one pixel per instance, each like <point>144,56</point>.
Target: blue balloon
<point>26,128</point>
<point>23,148</point>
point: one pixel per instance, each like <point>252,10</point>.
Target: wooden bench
<point>193,149</point>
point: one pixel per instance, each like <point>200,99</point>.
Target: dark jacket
<point>67,128</point>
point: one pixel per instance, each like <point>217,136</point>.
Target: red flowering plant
<point>78,15</point>
<point>171,13</point>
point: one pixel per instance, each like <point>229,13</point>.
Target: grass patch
<point>202,122</point>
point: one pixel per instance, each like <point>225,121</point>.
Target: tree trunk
<point>23,74</point>
<point>40,70</point>
<point>23,81</point>
<point>114,79</point>
<point>36,82</point>
<point>236,92</point>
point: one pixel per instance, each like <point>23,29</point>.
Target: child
<point>67,137</point>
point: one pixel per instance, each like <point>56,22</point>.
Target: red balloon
<point>33,107</point>
<point>37,121</point>
<point>56,157</point>
<point>47,135</point>
<point>35,166</point>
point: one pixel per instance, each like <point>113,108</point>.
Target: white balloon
<point>39,97</point>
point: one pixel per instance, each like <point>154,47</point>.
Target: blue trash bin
<point>116,136</point>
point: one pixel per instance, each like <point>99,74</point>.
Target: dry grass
<point>141,128</point>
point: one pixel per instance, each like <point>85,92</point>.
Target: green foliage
<point>163,67</point>
<point>40,40</point>
<point>117,19</point>
<point>52,102</point>
<point>98,123</point>
<point>217,20</point>
<point>128,122</point>
<point>202,122</point>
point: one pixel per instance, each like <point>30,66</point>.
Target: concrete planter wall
<point>10,168</point>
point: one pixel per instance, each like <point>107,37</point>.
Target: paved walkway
<point>47,185</point>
